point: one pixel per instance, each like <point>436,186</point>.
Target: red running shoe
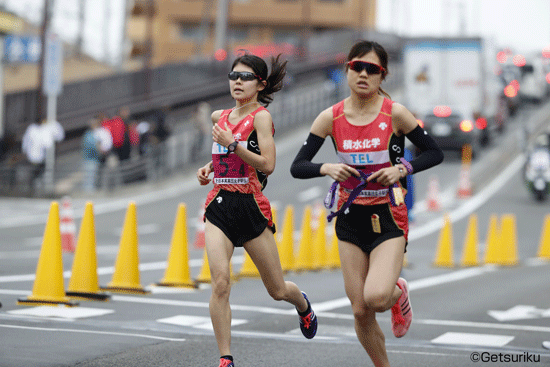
<point>401,312</point>
<point>226,363</point>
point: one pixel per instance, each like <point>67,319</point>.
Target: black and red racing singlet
<point>231,173</point>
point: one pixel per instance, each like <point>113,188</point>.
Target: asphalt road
<point>496,313</point>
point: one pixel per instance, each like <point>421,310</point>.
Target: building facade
<point>177,30</point>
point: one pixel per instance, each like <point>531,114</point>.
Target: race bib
<point>229,168</point>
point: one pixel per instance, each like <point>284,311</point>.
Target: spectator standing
<point>91,153</point>
<point>118,127</point>
<point>37,139</point>
<point>202,122</point>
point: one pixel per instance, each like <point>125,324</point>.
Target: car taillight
<point>481,123</point>
<point>466,126</point>
<point>420,122</point>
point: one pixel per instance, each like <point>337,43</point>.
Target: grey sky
<point>522,25</point>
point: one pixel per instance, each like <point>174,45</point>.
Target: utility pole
<point>45,26</point>
<point>150,13</point>
<point>306,29</point>
<point>81,20</point>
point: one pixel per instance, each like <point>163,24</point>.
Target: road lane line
<point>415,285</point>
<point>158,265</point>
<point>484,325</point>
<point>471,204</point>
<point>92,332</point>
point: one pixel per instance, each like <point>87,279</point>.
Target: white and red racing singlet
<point>367,148</point>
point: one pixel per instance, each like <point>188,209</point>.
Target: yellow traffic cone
<point>469,252</point>
<point>48,286</point>
<point>319,255</point>
<point>248,269</point>
<point>304,261</point>
<point>544,246</point>
<point>286,251</point>
<point>509,240</point>
<point>126,276</point>
<point>177,272</point>
<point>275,223</point>
<point>405,261</point>
<point>84,283</point>
<point>492,242</point>
<point>333,258</point>
<point>444,254</point>
<point>204,275</point>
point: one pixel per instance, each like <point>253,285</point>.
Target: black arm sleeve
<point>302,167</point>
<point>430,153</point>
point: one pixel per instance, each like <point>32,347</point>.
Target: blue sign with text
<point>24,49</point>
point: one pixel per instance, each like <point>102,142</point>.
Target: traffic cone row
<point>48,286</point>
<point>500,244</point>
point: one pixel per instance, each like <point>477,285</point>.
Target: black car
<point>452,131</point>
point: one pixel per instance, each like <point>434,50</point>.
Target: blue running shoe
<point>308,323</point>
<point>226,363</point>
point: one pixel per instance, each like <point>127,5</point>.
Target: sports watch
<point>232,147</point>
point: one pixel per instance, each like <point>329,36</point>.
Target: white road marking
<point>62,312</point>
<point>198,322</point>
<point>92,332</point>
<point>484,325</point>
<point>158,265</point>
<point>481,340</point>
<point>416,284</point>
<point>472,204</point>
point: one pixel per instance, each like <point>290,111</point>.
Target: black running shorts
<point>238,216</point>
<point>356,226</point>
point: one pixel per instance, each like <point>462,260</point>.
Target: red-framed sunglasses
<point>369,67</point>
<point>244,75</point>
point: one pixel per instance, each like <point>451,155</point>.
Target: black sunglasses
<point>372,69</point>
<point>244,75</point>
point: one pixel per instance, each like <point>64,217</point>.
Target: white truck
<point>447,89</point>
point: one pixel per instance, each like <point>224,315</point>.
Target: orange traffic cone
<point>432,201</point>
<point>48,286</point>
<point>199,234</point>
<point>126,276</point>
<point>464,183</point>
<point>67,226</point>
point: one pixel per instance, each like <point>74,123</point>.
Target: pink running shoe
<point>226,363</point>
<point>401,312</point>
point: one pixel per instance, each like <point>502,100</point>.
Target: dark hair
<point>259,66</point>
<point>361,48</point>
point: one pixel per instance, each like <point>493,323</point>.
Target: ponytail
<point>275,80</point>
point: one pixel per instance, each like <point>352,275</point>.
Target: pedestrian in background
<point>37,140</point>
<point>202,122</point>
<point>91,155</point>
<point>237,214</point>
<point>118,127</point>
<point>368,131</point>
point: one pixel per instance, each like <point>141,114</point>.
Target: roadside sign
<point>53,65</point>
<point>24,49</point>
